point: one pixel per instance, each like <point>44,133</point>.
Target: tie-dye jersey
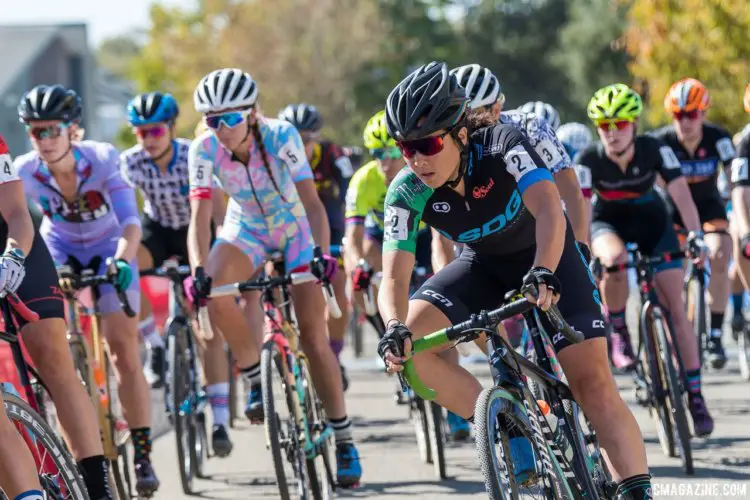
<point>104,205</point>
<point>541,137</point>
<point>264,211</point>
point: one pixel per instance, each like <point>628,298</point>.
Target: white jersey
<point>541,137</point>
<point>165,195</point>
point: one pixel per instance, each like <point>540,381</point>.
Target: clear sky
<point>105,18</point>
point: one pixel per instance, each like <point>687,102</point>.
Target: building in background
<point>47,54</point>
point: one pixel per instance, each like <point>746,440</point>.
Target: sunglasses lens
<point>51,132</point>
<point>690,115</point>
<point>607,125</point>
<point>428,146</point>
<point>229,120</point>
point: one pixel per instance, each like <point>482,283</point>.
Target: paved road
<point>393,469</point>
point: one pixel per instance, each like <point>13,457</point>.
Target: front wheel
<point>500,417</point>
<point>696,312</point>
<point>418,415</point>
<point>436,431</point>
<point>743,342</point>
<point>280,425</point>
<point>60,478</point>
<point>320,461</point>
<point>179,385</point>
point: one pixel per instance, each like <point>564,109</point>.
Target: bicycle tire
<point>184,429</point>
<point>675,398</point>
<point>270,364</point>
<point>496,403</point>
<point>355,331</point>
<point>696,309</point>
<point>21,413</point>
<point>418,416</point>
<point>743,344</point>
<point>119,467</point>
<point>319,468</point>
<point>201,446</point>
<point>653,374</point>
<point>436,431</point>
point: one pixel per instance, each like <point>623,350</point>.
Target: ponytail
<point>258,138</point>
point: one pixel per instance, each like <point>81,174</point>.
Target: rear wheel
<point>233,389</point>
<point>743,343</point>
<point>320,467</point>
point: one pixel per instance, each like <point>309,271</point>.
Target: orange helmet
<point>687,94</point>
<point>747,98</point>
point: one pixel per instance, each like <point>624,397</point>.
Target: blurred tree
<point>117,53</point>
<point>517,40</point>
<point>591,52</point>
<point>704,39</point>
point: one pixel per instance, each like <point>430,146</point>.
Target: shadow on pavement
<point>425,488</point>
<point>701,472</point>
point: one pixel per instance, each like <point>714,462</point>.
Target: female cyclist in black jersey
<point>515,235</point>
<point>622,171</point>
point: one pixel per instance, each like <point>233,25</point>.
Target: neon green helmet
<point>376,135</point>
<point>616,101</point>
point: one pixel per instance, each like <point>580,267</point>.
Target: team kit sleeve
<point>581,164</point>
<point>200,171</point>
<point>356,207</point>
<point>120,191</point>
<point>292,151</point>
<point>668,164</point>
<point>404,205</point>
<point>520,159</point>
<point>8,172</point>
<point>344,170</point>
<point>548,146</point>
<point>739,175</point>
<point>725,147</point>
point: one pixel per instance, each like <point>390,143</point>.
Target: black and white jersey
<point>165,194</point>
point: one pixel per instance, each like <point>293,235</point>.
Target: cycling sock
<point>147,329</point>
<point>218,398</point>
<point>141,438</point>
<point>251,375</point>
<point>30,495</point>
<point>693,381</point>
<point>737,302</point>
<point>717,321</point>
<point>94,471</point>
<point>336,346</point>
<point>635,488</point>
<point>342,428</point>
<point>617,319</point>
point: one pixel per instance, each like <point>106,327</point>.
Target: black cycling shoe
<point>220,441</point>
<point>717,358</point>
<point>146,482</point>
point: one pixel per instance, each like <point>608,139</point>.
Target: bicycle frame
<point>280,329</point>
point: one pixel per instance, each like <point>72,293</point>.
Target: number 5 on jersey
<point>201,179</point>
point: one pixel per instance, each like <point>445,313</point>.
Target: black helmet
<point>55,102</point>
<point>430,95</point>
<point>302,116</point>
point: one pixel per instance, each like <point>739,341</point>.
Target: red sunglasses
<point>690,115</point>
<point>153,131</point>
<point>607,125</point>
<point>427,146</point>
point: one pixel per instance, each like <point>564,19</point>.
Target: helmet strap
<point>463,150</point>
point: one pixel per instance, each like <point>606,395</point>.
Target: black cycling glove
<point>540,276</point>
<point>393,340</point>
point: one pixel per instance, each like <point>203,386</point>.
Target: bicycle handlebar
<point>22,309</point>
<point>640,260</point>
<point>483,320</point>
<point>78,282</point>
<point>169,269</point>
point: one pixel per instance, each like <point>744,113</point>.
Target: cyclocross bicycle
<point>296,428</point>
<point>93,363</point>
<point>568,465</point>
<point>58,473</point>
<point>660,373</point>
<point>184,397</point>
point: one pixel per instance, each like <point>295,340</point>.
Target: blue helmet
<point>153,107</point>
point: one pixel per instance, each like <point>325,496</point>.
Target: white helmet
<point>576,135</point>
<point>544,111</point>
<point>225,89</point>
<point>482,87</point>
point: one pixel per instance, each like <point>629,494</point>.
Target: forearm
<point>20,230</point>
<point>127,245</point>
<point>393,300</point>
<point>354,250</point>
<point>550,237</point>
<point>688,212</point>
<point>442,252</point>
<point>321,231</point>
<point>740,205</point>
<point>575,204</point>
<point>199,242</point>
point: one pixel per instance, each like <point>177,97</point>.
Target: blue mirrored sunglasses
<point>229,120</point>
